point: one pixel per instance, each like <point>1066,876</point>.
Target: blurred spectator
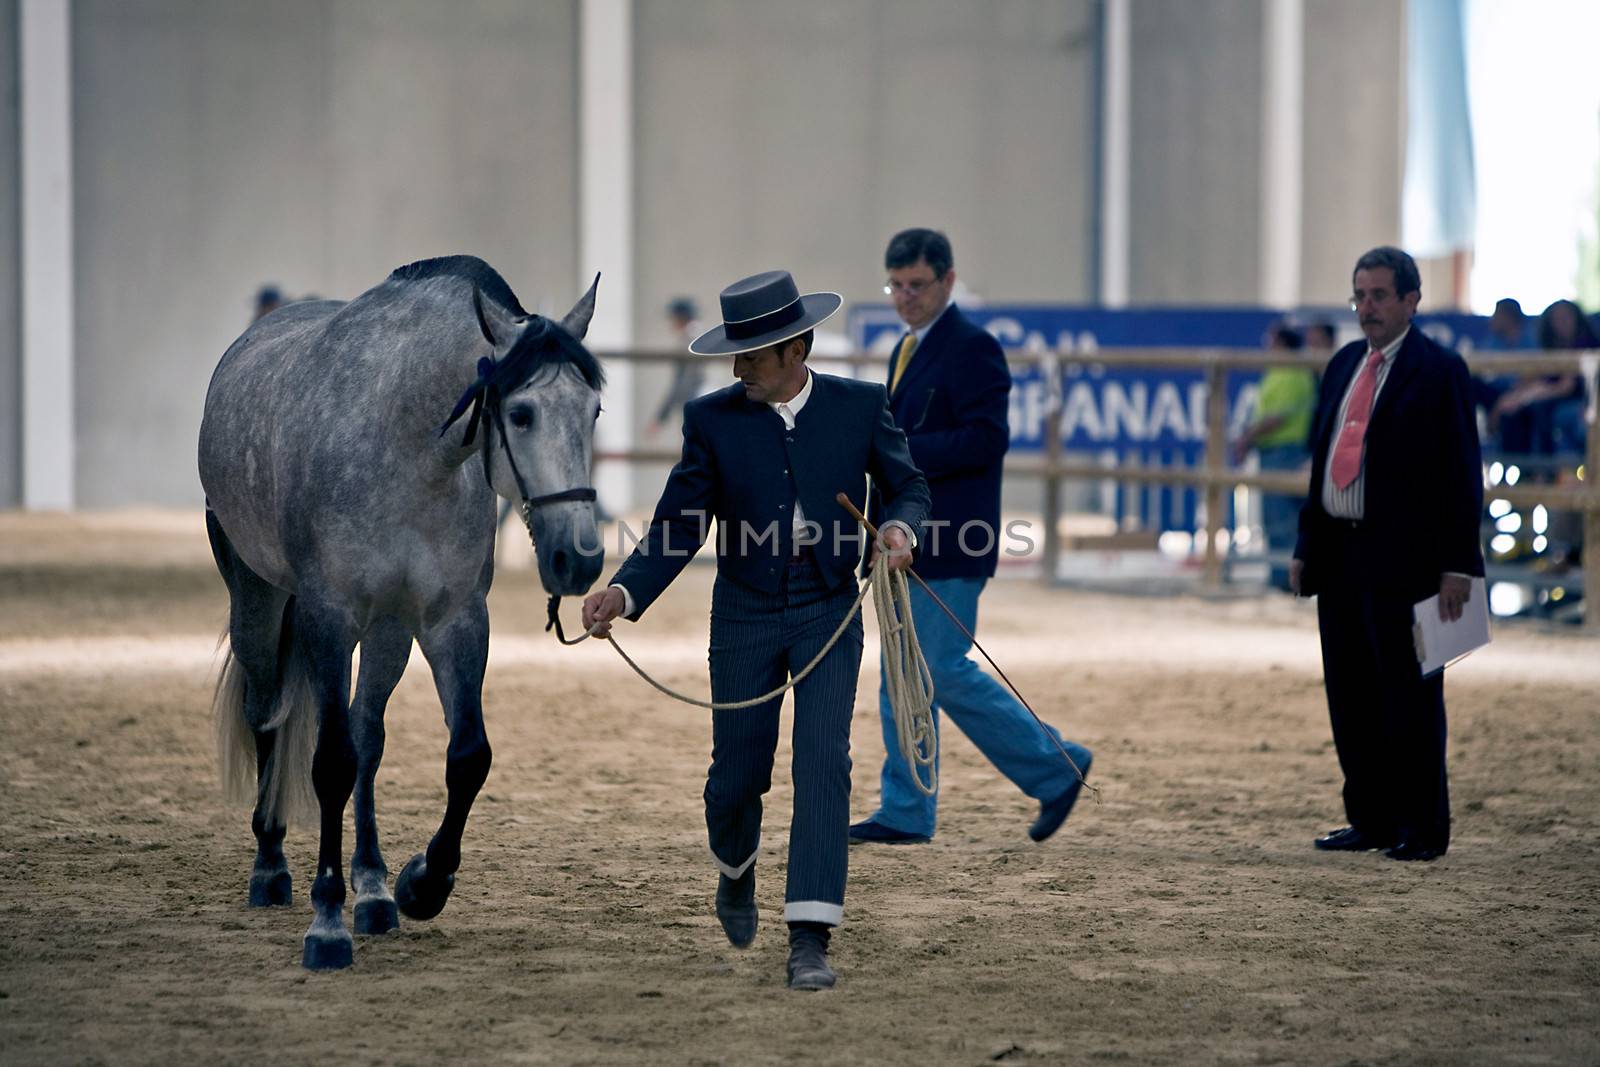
<point>1279,433</point>
<point>683,318</point>
<point>1544,416</point>
<point>268,298</point>
<point>1510,330</point>
<point>1563,326</point>
<point>1321,338</point>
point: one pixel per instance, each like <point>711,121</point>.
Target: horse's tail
<point>289,796</point>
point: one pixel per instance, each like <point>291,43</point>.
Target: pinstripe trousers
<point>757,642</point>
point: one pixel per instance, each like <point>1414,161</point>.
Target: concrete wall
<point>219,144</point>
<point>10,262</point>
<point>1196,152</point>
<point>1355,118</point>
<point>804,135</point>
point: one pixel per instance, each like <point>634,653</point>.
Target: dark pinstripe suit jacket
<point>743,469</point>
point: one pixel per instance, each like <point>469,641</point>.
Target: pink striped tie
<point>1353,434</point>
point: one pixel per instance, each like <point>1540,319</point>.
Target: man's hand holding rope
<point>895,548</point>
<point>600,608</point>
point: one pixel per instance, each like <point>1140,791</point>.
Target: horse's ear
<point>483,320</point>
<point>577,320</point>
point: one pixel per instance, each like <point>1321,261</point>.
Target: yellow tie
<point>907,347</point>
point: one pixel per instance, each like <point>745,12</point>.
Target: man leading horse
<point>765,458</point>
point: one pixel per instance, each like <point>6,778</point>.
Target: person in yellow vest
<point>1278,434</point>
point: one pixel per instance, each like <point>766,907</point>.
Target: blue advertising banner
<point>1152,416</point>
<point>1122,408</point>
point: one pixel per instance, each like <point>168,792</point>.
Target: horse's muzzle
<point>569,552</point>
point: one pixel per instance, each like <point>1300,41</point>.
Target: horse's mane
<point>541,341</point>
<point>469,268</point>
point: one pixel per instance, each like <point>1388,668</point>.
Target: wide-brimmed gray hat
<point>763,310</point>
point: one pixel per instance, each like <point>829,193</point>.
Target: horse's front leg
<point>328,640</point>
<point>384,651</point>
<point>457,652</point>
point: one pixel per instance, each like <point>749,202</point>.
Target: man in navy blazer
<point>765,459</point>
<point>1392,518</point>
<point>948,390</point>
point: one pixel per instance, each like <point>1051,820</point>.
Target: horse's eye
<point>521,418</point>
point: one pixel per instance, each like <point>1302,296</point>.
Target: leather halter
<point>585,493</point>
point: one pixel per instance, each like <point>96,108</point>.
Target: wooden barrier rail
<point>1214,478</point>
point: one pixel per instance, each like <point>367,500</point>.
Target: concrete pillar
<point>1116,95</point>
<point>47,277</point>
<point>1282,107</point>
<point>606,219</point>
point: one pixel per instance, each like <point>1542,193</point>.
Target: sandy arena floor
<point>1183,919</point>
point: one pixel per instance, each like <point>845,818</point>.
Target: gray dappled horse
<point>341,512</point>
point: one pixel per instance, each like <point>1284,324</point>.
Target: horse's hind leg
<point>457,652</point>
<point>327,638</point>
<point>255,625</point>
<point>384,652</point>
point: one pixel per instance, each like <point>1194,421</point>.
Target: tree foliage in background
<point>1588,287</point>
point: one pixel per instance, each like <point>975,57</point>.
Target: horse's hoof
<point>328,952</point>
<point>376,916</point>
<point>418,895</point>
<point>271,890</point>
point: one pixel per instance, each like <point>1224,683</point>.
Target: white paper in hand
<point>1441,643</point>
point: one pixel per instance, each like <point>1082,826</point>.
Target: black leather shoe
<point>1349,839</point>
<point>1054,812</point>
<point>875,833</point>
<point>1407,850</point>
<point>736,907</point>
<point>808,964</point>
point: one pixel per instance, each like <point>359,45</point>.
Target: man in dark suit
<point>765,458</point>
<point>948,390</point>
<point>1391,519</point>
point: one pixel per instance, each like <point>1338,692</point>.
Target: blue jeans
<point>987,712</point>
<point>1280,515</point>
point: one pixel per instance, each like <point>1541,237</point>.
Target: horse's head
<point>540,400</point>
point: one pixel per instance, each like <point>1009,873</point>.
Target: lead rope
<point>906,674</point>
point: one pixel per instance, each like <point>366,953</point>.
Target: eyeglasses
<point>911,289</point>
<point>1377,296</point>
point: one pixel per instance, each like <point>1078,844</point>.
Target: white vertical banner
<point>1282,150</point>
<point>1438,205</point>
<point>48,437</point>
<point>605,228</point>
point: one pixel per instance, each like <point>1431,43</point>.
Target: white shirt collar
<point>1393,346</point>
<point>794,404</point>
